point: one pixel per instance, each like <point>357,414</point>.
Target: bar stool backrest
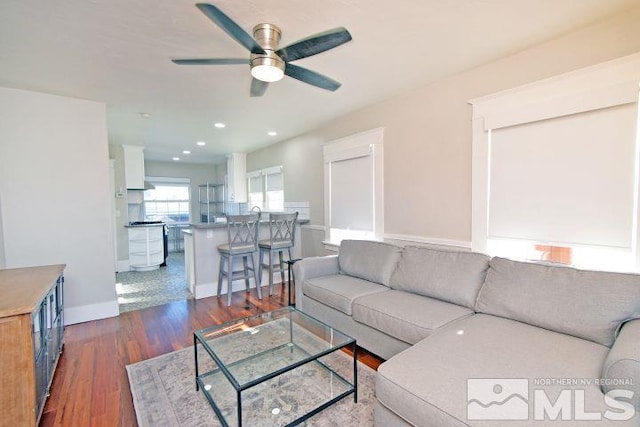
<point>242,232</point>
<point>282,229</point>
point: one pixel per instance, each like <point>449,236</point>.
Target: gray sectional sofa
<point>476,341</point>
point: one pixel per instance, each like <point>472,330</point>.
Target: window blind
<point>568,179</point>
<point>352,193</point>
<point>274,181</point>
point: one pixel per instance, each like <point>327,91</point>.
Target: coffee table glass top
<point>258,347</point>
<point>278,368</point>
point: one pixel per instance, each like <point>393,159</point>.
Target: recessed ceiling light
<point>145,115</point>
<point>272,133</point>
<point>186,152</point>
<point>201,143</point>
<point>176,158</point>
<point>219,125</point>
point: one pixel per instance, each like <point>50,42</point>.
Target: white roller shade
<point>566,180</point>
<point>255,184</point>
<point>274,182</point>
<point>352,193</point>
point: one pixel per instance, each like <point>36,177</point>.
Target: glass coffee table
<point>275,368</point>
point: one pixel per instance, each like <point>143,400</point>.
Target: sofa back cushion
<point>455,277</point>
<point>373,261</point>
<point>586,304</point>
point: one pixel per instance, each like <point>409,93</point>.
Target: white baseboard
<point>428,240</point>
<point>87,313</point>
<point>211,289</point>
<point>205,290</point>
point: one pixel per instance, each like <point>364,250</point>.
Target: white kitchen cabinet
<point>237,178</point>
<point>146,247</point>
<point>133,167</point>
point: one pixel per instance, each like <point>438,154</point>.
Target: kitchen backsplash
<point>289,207</point>
<point>301,207</point>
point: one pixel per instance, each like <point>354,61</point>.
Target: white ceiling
<point>119,51</point>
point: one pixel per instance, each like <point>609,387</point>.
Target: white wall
<point>427,144</point>
<point>2,257</point>
<point>54,186</point>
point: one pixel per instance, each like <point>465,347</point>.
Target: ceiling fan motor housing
<point>268,66</point>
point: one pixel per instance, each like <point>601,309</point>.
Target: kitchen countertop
<point>209,225</point>
<point>144,225</point>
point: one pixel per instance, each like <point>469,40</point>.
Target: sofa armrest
<point>623,362</point>
<point>308,268</point>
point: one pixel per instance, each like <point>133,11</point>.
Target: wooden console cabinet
<point>31,330</point>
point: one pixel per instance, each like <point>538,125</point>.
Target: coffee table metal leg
<point>289,277</point>
<point>239,394</point>
<point>355,372</point>
<point>195,356</point>
<point>290,330</point>
<point>290,263</point>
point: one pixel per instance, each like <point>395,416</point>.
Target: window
<point>353,187</point>
<point>266,189</point>
<point>255,189</point>
<point>168,202</point>
<point>556,169</point>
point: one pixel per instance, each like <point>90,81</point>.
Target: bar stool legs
<point>282,228</point>
<point>279,267</point>
<point>240,274</point>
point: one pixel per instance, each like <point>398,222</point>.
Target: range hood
<point>147,186</point>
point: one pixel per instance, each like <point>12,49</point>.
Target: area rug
<point>164,394</point>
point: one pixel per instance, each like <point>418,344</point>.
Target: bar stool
<point>282,229</point>
<point>242,234</point>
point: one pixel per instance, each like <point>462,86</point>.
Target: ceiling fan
<point>268,62</point>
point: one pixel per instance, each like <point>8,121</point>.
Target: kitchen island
<point>146,245</point>
<point>202,259</point>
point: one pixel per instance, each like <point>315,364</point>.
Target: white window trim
<point>357,145</point>
<point>167,180</point>
<point>604,85</point>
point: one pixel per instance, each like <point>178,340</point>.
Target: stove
<point>144,222</point>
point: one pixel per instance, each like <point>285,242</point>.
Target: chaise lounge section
<point>454,326</point>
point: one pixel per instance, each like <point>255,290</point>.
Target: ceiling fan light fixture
<point>268,62</point>
<point>267,68</point>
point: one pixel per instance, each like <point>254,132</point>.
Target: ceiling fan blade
<point>315,44</point>
<point>211,61</point>
<point>258,87</point>
<point>311,77</point>
<point>230,27</point>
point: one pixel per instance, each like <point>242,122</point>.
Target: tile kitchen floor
<point>141,289</point>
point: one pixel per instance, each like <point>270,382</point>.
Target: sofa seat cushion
<point>408,317</point>
<point>339,290</point>
<point>452,276</point>
<point>586,304</point>
<point>427,383</point>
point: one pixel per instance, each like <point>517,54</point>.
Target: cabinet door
<point>236,178</point>
<point>52,332</point>
<point>60,319</point>
<point>41,364</point>
<point>133,167</point>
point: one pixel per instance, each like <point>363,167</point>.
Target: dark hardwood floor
<point>90,386</point>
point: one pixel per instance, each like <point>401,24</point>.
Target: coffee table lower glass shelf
<point>274,369</point>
